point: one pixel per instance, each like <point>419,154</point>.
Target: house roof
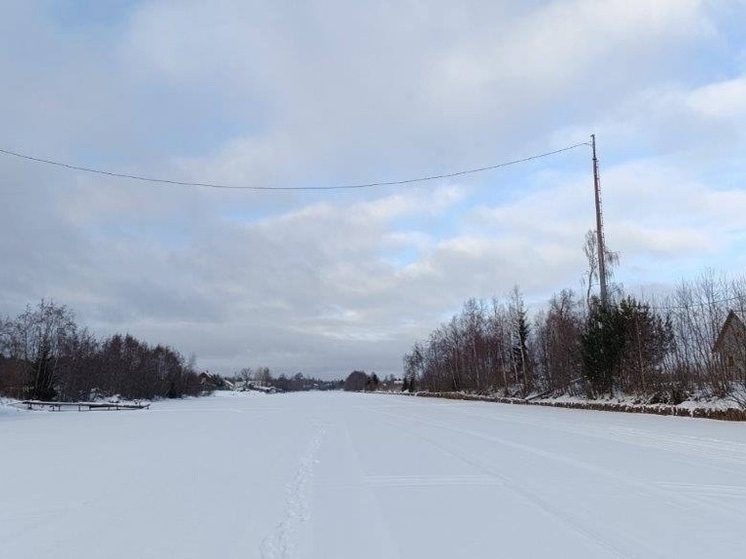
<point>735,319</point>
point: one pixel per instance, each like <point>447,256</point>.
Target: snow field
<point>327,475</point>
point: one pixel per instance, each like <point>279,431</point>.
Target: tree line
<point>262,376</point>
<point>46,355</point>
<point>359,381</point>
<point>659,349</point>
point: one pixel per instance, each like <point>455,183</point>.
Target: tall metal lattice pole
<point>601,249</point>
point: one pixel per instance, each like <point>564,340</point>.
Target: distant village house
<point>730,345</point>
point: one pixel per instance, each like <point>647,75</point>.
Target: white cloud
<point>724,100</point>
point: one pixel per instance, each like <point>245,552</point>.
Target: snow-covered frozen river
<point>336,475</point>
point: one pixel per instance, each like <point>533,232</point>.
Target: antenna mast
<point>601,249</point>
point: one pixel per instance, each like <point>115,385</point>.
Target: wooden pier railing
<point>82,406</point>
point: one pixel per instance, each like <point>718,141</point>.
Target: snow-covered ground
<point>336,475</point>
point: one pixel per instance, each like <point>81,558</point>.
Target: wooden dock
<point>81,406</point>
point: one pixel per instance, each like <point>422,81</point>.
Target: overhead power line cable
<point>695,305</point>
<point>253,187</point>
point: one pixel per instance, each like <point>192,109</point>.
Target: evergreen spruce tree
<point>602,346</point>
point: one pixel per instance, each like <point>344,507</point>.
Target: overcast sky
<point>302,93</point>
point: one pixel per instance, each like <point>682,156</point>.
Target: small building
<point>730,345</point>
